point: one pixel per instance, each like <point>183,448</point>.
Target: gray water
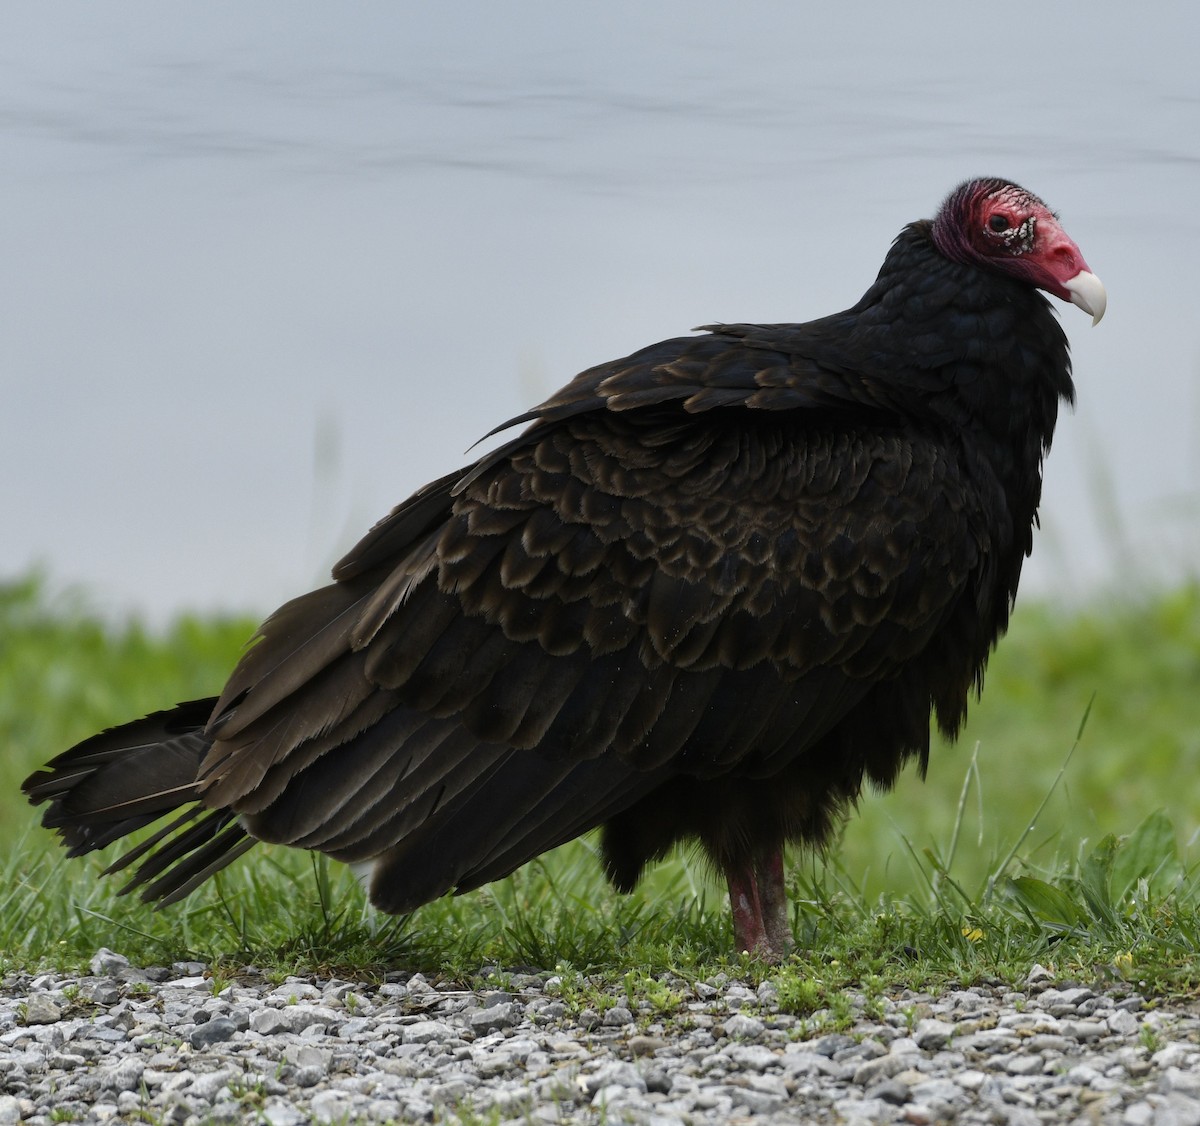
<point>264,270</point>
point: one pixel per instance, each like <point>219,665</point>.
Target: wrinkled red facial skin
<point>1030,246</point>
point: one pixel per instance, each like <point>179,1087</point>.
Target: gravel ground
<point>155,1045</point>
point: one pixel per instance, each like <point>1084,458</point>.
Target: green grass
<point>994,862</point>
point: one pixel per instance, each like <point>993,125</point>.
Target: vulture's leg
<point>772,897</point>
<point>759,904</point>
<point>749,933</point>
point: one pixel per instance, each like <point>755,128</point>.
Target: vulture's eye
<point>998,223</point>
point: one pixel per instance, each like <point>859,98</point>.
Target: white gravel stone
<point>205,1087</point>
<point>932,1034</point>
<point>331,1106</point>
<point>267,1022</point>
<point>882,1067</point>
<point>215,1031</point>
<point>503,1015</point>
<point>744,1027</point>
<point>1181,1110</point>
<point>297,1018</point>
<point>938,1090</point>
<point>971,1080</point>
<point>1175,1055</point>
<point>123,1076</point>
<point>1024,1065</point>
<point>1177,1079</point>
<point>1084,1029</point>
<point>193,983</point>
<point>752,1057</point>
<point>105,962</point>
<point>308,1056</point>
<point>614,1074</point>
<point>280,1113</point>
<point>42,1009</point>
<point>617,1017</point>
<point>294,990</point>
<point>771,1085</point>
<point>1122,1023</point>
<point>427,1031</point>
<point>1138,1114</point>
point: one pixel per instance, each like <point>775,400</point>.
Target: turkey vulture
<point>705,594</point>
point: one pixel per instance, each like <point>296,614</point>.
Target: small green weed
<point>1149,1039</point>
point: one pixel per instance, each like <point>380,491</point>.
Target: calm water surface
<point>266,271</point>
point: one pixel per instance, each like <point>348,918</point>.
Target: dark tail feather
<point>127,777</point>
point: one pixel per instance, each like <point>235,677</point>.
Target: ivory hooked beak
<point>1087,291</point>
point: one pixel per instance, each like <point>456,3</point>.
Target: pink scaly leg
<point>749,933</point>
<point>772,897</point>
